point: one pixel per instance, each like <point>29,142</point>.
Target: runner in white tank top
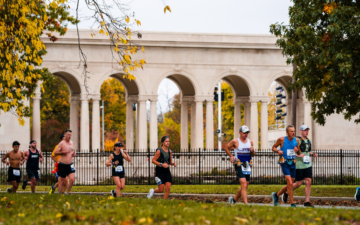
<point>243,150</point>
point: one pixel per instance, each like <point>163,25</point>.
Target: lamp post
<point>103,124</point>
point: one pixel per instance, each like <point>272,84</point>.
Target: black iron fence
<point>201,167</point>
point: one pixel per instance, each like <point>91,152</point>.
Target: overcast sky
<point>210,16</point>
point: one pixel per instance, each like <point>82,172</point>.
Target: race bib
<point>119,169</point>
<point>290,154</point>
<point>158,181</point>
<point>306,159</point>
<point>246,170</point>
<point>72,167</point>
<point>16,173</point>
<point>39,173</point>
<point>34,156</point>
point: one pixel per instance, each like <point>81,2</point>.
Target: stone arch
<point>282,78</point>
<point>240,83</point>
<point>71,78</point>
<point>133,87</point>
<point>186,82</point>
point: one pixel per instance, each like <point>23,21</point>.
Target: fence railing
<point>200,167</point>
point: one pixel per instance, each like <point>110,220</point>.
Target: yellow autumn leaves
<point>329,8</point>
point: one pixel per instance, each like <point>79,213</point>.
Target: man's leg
<point>242,192</point>
<point>61,184</point>
<point>160,189</point>
<point>307,189</point>
<point>167,191</point>
<point>14,186</point>
<point>66,182</point>
<point>33,184</point>
<point>118,185</point>
<point>71,182</point>
<point>122,184</point>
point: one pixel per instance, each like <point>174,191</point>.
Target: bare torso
<point>65,146</point>
<point>15,158</point>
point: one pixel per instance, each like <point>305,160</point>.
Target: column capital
<point>259,99</point>
<point>131,99</point>
<point>241,99</point>
<point>84,97</point>
<point>305,100</point>
<point>186,99</point>
<point>202,98</point>
<point>74,98</point>
<point>96,97</point>
<point>37,96</point>
<point>143,98</point>
<point>153,98</point>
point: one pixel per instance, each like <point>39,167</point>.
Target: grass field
<point>317,190</point>
<point>53,209</point>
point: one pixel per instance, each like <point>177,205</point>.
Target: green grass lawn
<point>317,190</point>
<point>53,209</point>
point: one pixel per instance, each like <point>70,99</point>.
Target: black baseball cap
<point>118,144</point>
<point>61,137</point>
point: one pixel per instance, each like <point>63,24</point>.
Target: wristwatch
<point>160,164</point>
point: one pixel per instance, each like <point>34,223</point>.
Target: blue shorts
<point>56,175</point>
<point>289,170</point>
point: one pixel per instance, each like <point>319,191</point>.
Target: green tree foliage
<point>322,39</point>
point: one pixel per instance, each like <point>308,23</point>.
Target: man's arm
<point>230,145</point>
<point>4,158</point>
<point>59,150</point>
<point>252,149</point>
<point>156,156</point>
<point>276,145</point>
<point>22,159</point>
<point>26,155</point>
<point>41,156</point>
<point>297,148</point>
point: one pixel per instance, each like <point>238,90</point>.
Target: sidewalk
<point>337,199</point>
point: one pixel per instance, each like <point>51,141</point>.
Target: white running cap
<point>304,127</point>
<point>244,129</point>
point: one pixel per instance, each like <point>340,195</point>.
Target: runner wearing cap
<point>16,159</point>
<point>289,146</point>
<point>243,150</point>
<point>162,160</point>
<point>32,156</point>
<point>303,166</point>
<point>56,168</point>
<point>116,160</point>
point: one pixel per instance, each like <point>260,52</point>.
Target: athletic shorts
<point>32,173</point>
<point>301,174</point>
<point>163,174</point>
<point>239,174</point>
<point>118,174</point>
<point>56,175</point>
<point>288,170</point>
<point>65,169</point>
<point>14,174</point>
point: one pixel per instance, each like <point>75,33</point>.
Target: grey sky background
<point>210,16</point>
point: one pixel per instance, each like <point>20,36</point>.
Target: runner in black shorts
<point>162,160</point>
<point>16,158</point>
<point>116,160</point>
<point>33,157</point>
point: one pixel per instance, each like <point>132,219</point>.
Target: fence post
<point>97,162</point>
<point>341,167</point>
<point>148,166</point>
<point>46,173</point>
<point>199,166</point>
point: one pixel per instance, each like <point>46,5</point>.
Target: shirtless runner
<point>16,158</point>
<point>66,167</point>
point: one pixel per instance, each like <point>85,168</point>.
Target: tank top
<point>288,148</point>
<point>164,156</point>
<point>242,152</point>
<point>119,168</point>
<point>33,160</point>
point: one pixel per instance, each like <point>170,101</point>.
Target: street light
<point>103,124</point>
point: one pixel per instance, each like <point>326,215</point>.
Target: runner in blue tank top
<point>289,146</point>
<point>243,150</point>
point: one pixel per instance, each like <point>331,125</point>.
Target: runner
<point>162,160</point>
<point>116,160</point>
<point>65,166</point>
<point>243,150</point>
<point>33,157</point>
<point>303,166</point>
<point>16,158</point>
<point>287,160</point>
<point>56,160</point>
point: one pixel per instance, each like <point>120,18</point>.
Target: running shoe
<point>285,197</point>
<point>274,198</point>
<point>151,193</point>
<point>308,204</point>
<point>113,193</point>
<point>24,184</point>
<point>357,194</point>
<point>8,190</point>
<point>232,200</point>
<point>52,190</point>
<point>293,205</point>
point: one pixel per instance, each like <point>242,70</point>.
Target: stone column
<point>137,126</point>
<point>184,138</point>
<point>129,124</point>
<point>307,116</point>
<point>199,124</point>
<point>264,125</point>
<point>95,131</point>
<point>237,117</point>
<point>209,124</point>
<point>142,126</point>
<point>74,120</point>
<point>153,125</point>
<point>36,130</point>
<point>247,121</point>
<point>254,133</point>
<point>288,113</point>
<point>193,126</point>
<point>84,125</point>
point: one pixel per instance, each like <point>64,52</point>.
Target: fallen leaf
<point>21,215</point>
<point>78,218</point>
<point>241,220</point>
<point>142,220</point>
<point>59,215</point>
